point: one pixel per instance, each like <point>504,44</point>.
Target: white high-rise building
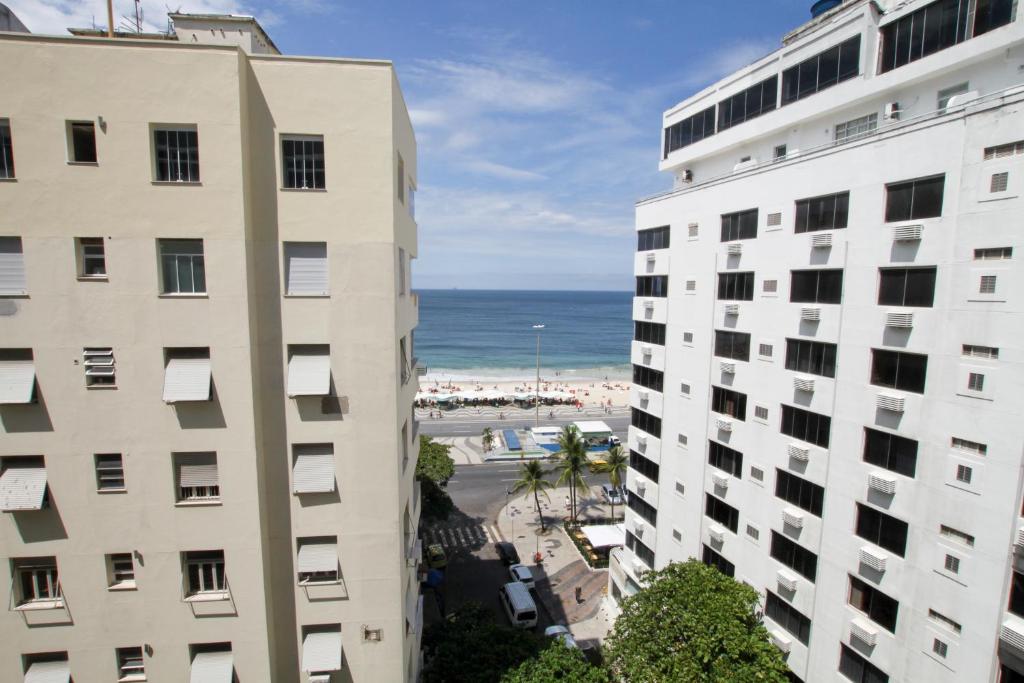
<point>207,445</point>
<point>828,353</point>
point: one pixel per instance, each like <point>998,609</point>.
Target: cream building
<point>206,370</point>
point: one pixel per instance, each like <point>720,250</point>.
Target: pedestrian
<point>579,594</point>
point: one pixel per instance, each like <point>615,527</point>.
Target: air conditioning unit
<point>786,579</point>
<point>641,441</point>
<point>720,480</point>
<point>687,176</point>
<point>891,403</point>
<point>717,533</point>
<point>723,424</point>
<point>728,367</point>
<point>652,257</point>
<point>821,240</point>
<point>793,518</point>
<point>798,452</point>
<point>812,313</point>
<point>638,528</point>
<point>641,484</point>
<point>1019,543</point>
<point>734,249</point>
<point>883,483</point>
<point>781,641</point>
<point>732,309</point>
<point>649,304</point>
<point>864,632</point>
<point>644,395</point>
<point>961,99</point>
<point>646,350</point>
<point>639,567</point>
<point>892,111</point>
<point>873,558</point>
<point>803,384</point>
<point>907,233</point>
<point>1012,633</point>
<point>902,320</point>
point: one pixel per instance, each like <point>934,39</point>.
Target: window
<point>765,350</point>
<point>906,287</point>
<point>651,333</point>
<point>725,459</point>
<point>177,155</point>
<point>761,412</point>
<point>816,286</point>
<point>736,286</point>
<point>687,337</point>
<point>859,670</point>
<point>794,556</point>
<point>964,474</point>
<point>945,621</point>
<point>204,572</point>
<point>881,529</point>
<point>37,580</point>
<point>991,14</point>
<point>999,182</point>
<point>692,230</point>
<point>956,535</point>
<point>648,377</point>
<point>827,212</point>
<point>987,284</point>
<point>817,358</point>
<point>653,238</point>
<point>188,375</point>
<point>943,97</point>
<point>182,266</point>
<point>952,564</point>
<point>109,472</point>
<point>82,142</point>
<point>129,664</point>
<point>196,476</point>
<point>974,351</point>
<point>646,422</point>
<point>680,488</point>
<point>683,440</point>
<point>12,267</point>
<point>753,532</point>
<point>305,269</point>
<point>1017,594</point>
<point>806,426</point>
<point>976,381</point>
<point>998,152</point>
<point>735,345</point>
<point>317,560</point>
<point>823,70</point>
<point>120,571</point>
<point>92,260</point>
<point>779,152</point>
<point>647,468</point>
<point>787,616</point>
<point>748,104</point>
<point>677,535</point>
<point>302,158</point>
<point>770,286</point>
<point>684,388</point>
<point>914,199</point>
<point>804,494</point>
<point>721,512</point>
<point>939,647</point>
<point>899,370</point>
<point>642,508</point>
<point>878,606</point>
<point>6,151</point>
<point>894,453</point>
<point>691,285</point>
<point>855,128</point>
<point>652,285</point>
<point>996,254</point>
<point>932,28</point>
<point>690,130</point>
<point>774,220</point>
<point>713,559</point>
<point>972,447</point>
<point>728,402</point>
<point>741,225</point>
<point>639,549</point>
<point>400,180</point>
<point>98,363</point>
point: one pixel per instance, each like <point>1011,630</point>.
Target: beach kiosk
<point>595,432</point>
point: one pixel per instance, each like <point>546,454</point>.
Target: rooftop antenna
<point>110,18</point>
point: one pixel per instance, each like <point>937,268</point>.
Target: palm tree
<point>531,480</point>
<point>615,464</point>
<point>488,439</point>
<point>572,459</point>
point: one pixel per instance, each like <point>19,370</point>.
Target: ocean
<point>489,333</point>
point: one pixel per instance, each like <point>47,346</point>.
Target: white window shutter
<point>314,468</point>
<point>49,672</point>
<point>309,373</point>
<point>12,267</point>
<point>318,557</point>
<point>306,268</point>
<point>197,469</point>
<point>17,381</point>
<point>212,667</point>
<point>22,488</point>
<point>321,651</point>
<point>187,379</point>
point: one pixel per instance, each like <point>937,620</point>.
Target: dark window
<point>651,333</point>
<point>914,199</point>
<point>816,286</point>
<point>690,130</point>
<point>823,70</point>
<point>906,287</point>
<point>648,468</point>
<point>741,225</point>
<point>1017,594</point>
<point>722,512</point>
<point>303,163</point>
<point>794,556</point>
<point>892,452</point>
<point>653,238</point>
<point>827,212</point>
<point>800,492</point>
<point>728,402</point>
<point>177,155</point>
<point>881,529</point>
<point>83,141</point>
<point>750,103</point>
<point>1008,675</point>
<point>736,286</point>
<point>879,607</point>
<point>806,426</point>
<point>713,559</point>
<point>642,508</point>
<point>735,345</point>
<point>725,459</point>
<point>652,285</point>
<point>646,422</point>
<point>899,370</point>
<point>817,358</point>
<point>648,377</point>
<point>932,28</point>
<point>6,150</point>
<point>992,14</point>
<point>859,670</point>
<point>787,616</point>
<point>639,549</point>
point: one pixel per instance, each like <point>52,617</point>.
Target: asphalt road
<point>473,427</point>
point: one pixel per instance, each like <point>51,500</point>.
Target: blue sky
<point>538,123</point>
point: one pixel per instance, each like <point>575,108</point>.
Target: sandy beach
<point>591,392</point>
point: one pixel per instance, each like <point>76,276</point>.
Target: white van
<point>519,605</point>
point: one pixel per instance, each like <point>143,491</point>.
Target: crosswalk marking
<point>461,536</point>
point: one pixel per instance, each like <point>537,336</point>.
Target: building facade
<point>828,343</point>
<point>206,371</point>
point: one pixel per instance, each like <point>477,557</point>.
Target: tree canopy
<point>693,623</point>
<point>469,647</point>
<point>557,664</point>
<point>434,462</point>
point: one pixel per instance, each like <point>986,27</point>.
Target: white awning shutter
<point>314,468</point>
<point>321,651</point>
<point>212,667</point>
<point>49,672</point>
<point>12,267</point>
<point>306,268</point>
<point>17,381</point>
<point>318,557</point>
<point>187,379</point>
<point>309,373</point>
<point>197,469</point>
<point>22,488</point>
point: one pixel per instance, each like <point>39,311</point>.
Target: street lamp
<point>537,419</point>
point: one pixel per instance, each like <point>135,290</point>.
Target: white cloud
<point>502,171</point>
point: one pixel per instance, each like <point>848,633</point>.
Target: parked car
<point>507,553</point>
<point>522,574</point>
<point>560,632</point>
<point>611,494</point>
<point>596,465</point>
<point>436,558</point>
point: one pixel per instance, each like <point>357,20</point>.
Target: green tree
<point>531,480</point>
<point>434,462</point>
<point>557,664</point>
<point>488,439</point>
<point>572,459</point>
<point>615,464</point>
<point>690,622</point>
